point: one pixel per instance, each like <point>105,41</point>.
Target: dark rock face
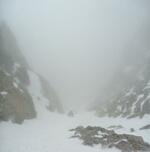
<point>145,127</point>
<point>132,130</point>
<point>16,102</point>
<point>108,138</point>
<point>128,95</point>
<point>128,92</point>
<point>133,102</point>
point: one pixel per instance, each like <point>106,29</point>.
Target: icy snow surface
<point>49,132</point>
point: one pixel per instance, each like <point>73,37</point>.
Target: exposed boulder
<point>132,130</point>
<point>108,138</point>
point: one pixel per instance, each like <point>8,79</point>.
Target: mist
<point>76,45</point>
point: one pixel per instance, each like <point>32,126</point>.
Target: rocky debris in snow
<point>145,127</point>
<point>115,127</point>
<point>108,138</point>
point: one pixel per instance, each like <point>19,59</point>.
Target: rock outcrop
<point>16,101</point>
<point>108,138</point>
<point>128,93</point>
<point>145,127</point>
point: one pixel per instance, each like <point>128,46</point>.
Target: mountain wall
<point>17,102</point>
<point>128,93</point>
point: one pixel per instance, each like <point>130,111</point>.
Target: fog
<point>76,45</point>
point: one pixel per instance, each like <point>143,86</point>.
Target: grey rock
<point>115,127</point>
<point>132,130</point>
<point>145,127</point>
<point>108,138</point>
<point>127,93</point>
<point>16,102</point>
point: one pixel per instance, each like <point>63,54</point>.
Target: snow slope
<point>49,132</point>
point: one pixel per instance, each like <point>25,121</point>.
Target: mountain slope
<point>16,101</point>
<point>128,94</point>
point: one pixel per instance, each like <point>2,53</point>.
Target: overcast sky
<point>75,44</point>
